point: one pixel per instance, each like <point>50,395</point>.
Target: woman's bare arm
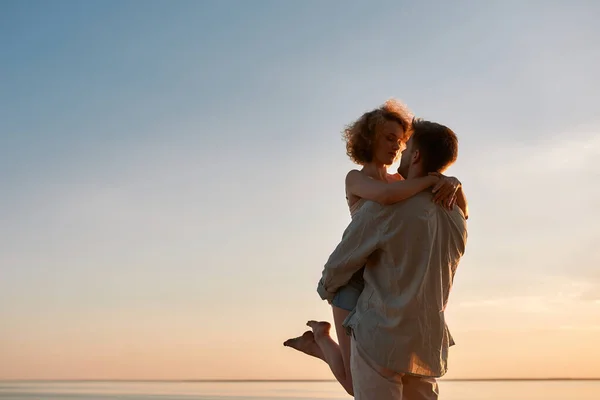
<point>361,185</point>
<point>449,191</point>
<point>461,201</point>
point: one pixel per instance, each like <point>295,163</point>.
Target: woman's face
<point>387,142</point>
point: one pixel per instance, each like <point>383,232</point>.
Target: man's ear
<point>416,156</point>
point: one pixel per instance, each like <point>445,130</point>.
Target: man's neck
<point>415,172</point>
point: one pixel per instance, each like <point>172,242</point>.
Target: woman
<point>373,141</point>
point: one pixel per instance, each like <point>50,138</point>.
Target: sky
<point>173,178</point>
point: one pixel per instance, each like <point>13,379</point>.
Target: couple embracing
<point>389,278</point>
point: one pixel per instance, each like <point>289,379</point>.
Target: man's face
<point>406,159</point>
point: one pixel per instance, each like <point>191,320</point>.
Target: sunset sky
<point>173,178</point>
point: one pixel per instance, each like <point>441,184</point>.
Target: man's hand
<point>444,192</point>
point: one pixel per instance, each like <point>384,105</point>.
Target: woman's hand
<point>434,179</point>
<point>444,192</point>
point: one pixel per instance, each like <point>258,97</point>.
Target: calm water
<point>507,390</point>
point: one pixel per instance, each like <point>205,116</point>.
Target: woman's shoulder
<point>353,173</point>
<point>354,176</point>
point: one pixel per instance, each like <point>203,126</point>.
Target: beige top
<point>356,206</point>
<point>411,250</point>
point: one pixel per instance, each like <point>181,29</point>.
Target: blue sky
<point>173,176</point>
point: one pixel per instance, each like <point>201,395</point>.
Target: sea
<point>282,390</point>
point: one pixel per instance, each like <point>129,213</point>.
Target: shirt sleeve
<point>361,239</point>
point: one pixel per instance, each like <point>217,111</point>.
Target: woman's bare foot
<point>305,344</point>
<point>320,329</point>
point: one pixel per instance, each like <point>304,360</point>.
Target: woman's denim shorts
<point>347,296</point>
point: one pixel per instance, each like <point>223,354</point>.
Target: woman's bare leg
<point>344,341</point>
<point>319,344</point>
<point>337,355</point>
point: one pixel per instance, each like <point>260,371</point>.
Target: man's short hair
<point>436,143</point>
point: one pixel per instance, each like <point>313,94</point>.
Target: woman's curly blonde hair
<point>360,135</point>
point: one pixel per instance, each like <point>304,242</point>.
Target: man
<point>411,251</point>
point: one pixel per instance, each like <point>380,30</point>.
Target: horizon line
<point>289,380</point>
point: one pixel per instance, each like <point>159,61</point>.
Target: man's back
<point>399,320</point>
